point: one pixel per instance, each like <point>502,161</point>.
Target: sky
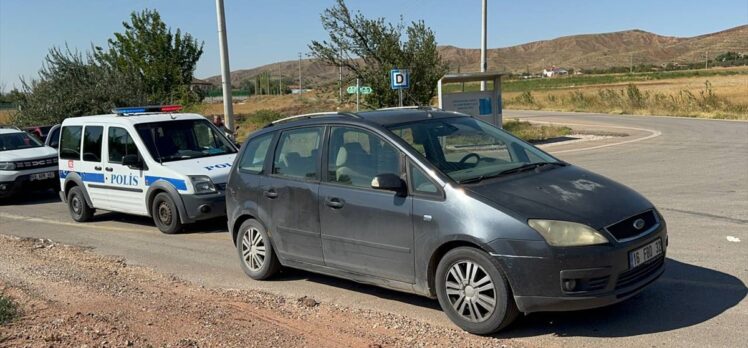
<point>262,32</point>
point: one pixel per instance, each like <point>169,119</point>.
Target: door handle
<point>271,194</point>
<point>108,169</point>
<point>335,203</point>
<point>97,168</point>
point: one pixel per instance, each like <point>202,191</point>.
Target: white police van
<point>148,161</point>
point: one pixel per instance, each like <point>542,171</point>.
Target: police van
<point>149,161</point>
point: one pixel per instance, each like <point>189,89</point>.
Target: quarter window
<point>356,156</point>
<point>121,144</point>
<point>254,154</point>
<point>420,182</point>
<point>297,155</point>
<point>70,143</point>
<point>92,138</point>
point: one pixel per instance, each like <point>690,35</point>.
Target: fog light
<point>569,284</point>
<point>3,187</point>
<point>205,209</point>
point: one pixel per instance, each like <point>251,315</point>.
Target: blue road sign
<point>399,79</point>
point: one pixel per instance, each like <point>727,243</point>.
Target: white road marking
<point>63,223</point>
<point>653,134</point>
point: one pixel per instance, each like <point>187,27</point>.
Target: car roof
<point>9,130</point>
<point>131,119</point>
<point>389,117</point>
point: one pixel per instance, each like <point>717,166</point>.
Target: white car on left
<point>25,163</point>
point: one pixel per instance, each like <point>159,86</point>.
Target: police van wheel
<point>80,211</point>
<point>165,214</point>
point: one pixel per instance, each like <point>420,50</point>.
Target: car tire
<point>165,214</point>
<point>256,254</point>
<point>467,298</point>
<point>80,211</point>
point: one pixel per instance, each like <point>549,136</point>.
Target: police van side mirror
<point>132,161</point>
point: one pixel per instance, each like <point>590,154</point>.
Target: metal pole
<point>358,84</point>
<point>280,81</point>
<point>228,107</point>
<point>340,77</point>
<point>483,35</point>
<point>400,93</point>
<point>301,88</point>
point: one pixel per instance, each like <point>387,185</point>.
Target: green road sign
<point>362,90</point>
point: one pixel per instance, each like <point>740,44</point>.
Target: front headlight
<point>202,184</point>
<point>7,166</point>
<point>565,233</point>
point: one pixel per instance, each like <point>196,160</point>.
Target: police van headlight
<point>202,184</point>
<point>7,166</point>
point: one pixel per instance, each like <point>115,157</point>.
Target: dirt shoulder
<point>70,296</point>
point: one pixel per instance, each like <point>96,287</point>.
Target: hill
<point>577,51</point>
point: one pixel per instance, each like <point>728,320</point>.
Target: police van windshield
<point>183,139</point>
<point>17,141</point>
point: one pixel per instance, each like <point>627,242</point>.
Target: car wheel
<point>80,211</point>
<point>258,259</point>
<point>473,292</point>
<point>165,214</point>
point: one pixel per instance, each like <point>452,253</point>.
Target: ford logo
<point>639,224</point>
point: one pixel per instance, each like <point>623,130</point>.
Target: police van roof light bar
<point>146,109</point>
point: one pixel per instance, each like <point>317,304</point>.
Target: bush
<point>8,309</point>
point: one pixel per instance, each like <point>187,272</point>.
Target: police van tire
<point>165,214</point>
<point>80,211</point>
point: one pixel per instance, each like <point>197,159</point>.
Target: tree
<point>370,48</point>
<point>148,50</point>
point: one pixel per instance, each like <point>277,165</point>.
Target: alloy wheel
<point>470,291</point>
<point>253,249</point>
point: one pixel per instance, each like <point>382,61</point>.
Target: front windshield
<point>17,141</point>
<point>183,139</point>
<point>465,148</point>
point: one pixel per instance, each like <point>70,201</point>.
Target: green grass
<point>532,133</point>
<point>539,84</point>
<point>8,309</point>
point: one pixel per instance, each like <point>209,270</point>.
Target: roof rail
<point>413,107</point>
<point>312,115</point>
<point>7,126</point>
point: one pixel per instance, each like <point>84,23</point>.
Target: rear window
<point>70,142</point>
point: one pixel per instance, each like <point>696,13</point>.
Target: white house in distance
<point>554,71</point>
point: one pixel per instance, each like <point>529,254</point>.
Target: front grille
<point>37,163</point>
<point>626,229</point>
<point>635,275</point>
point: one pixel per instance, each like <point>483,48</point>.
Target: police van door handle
<point>97,168</point>
<point>108,169</point>
<point>271,194</point>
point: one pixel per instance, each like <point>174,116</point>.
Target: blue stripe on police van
<point>178,183</point>
<point>86,177</point>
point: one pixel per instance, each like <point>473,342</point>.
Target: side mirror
<point>388,182</point>
<point>132,161</point>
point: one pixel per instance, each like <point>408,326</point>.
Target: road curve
<point>695,171</point>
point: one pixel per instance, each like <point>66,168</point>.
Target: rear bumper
<point>601,273</point>
<point>203,207</point>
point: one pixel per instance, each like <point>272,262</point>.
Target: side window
<point>297,155</point>
<point>92,139</point>
<point>407,135</point>
<point>420,182</point>
<point>356,156</point>
<point>255,152</point>
<point>70,143</point>
<point>120,144</point>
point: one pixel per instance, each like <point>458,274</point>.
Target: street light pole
<point>483,64</point>
<point>228,107</point>
<point>301,87</point>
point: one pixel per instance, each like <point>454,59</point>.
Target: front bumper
<point>23,182</point>
<point>204,206</point>
<point>601,273</point>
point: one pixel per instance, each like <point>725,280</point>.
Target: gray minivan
<point>443,205</point>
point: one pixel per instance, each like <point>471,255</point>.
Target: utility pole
<point>228,107</point>
<point>706,60</point>
<point>358,86</point>
<point>280,80</point>
<point>340,78</point>
<point>631,63</point>
<point>483,64</point>
<point>301,88</point>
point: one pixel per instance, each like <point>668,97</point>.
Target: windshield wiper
<point>522,168</point>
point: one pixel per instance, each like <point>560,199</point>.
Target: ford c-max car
<point>443,205</point>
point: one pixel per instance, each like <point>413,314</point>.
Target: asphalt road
<point>695,171</point>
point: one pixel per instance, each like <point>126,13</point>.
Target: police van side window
<point>120,144</point>
<point>70,143</point>
<point>92,139</point>
<point>255,153</point>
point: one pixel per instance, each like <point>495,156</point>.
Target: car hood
<point>31,153</point>
<point>216,167</point>
<point>564,193</point>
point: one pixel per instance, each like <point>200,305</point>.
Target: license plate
<point>42,176</point>
<point>645,253</point>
